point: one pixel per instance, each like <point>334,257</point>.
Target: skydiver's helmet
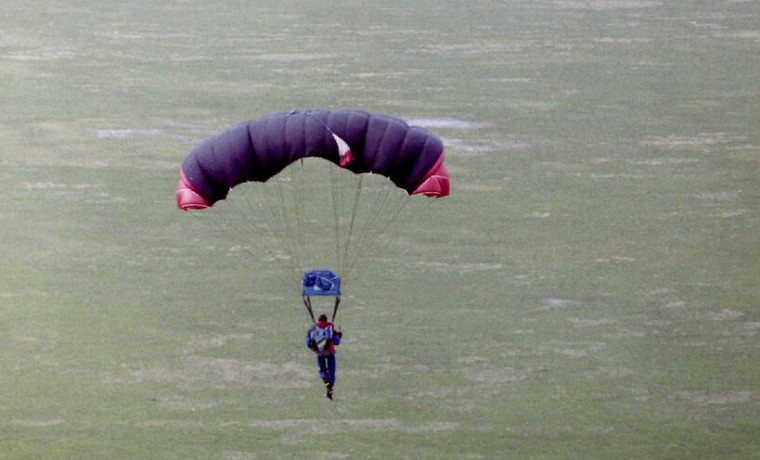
<point>322,318</point>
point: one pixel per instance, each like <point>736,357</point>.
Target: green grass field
<point>589,290</point>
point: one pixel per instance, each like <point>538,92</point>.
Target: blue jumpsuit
<point>324,338</point>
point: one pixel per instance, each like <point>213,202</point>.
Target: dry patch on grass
<point>303,426</point>
<point>551,431</point>
<point>555,302</point>
<point>704,398</point>
<point>480,188</point>
<point>242,455</point>
<point>49,191</point>
<point>125,133</point>
<point>494,380</point>
<point>185,404</point>
<point>610,372</point>
<point>319,427</point>
<point>581,322</point>
<point>313,427</point>
<point>233,373</point>
<point>664,161</point>
<point>43,55</point>
<point>443,123</point>
<point>217,373</point>
<point>461,268</point>
<point>37,423</point>
<point>749,35</point>
<point>178,423</point>
<point>750,328</point>
<point>605,5</point>
<point>288,58</point>
<point>205,343</point>
<point>573,352</point>
<point>496,376</point>
<point>625,334</point>
<point>700,140</point>
<point>469,148</point>
<point>196,371</point>
<point>725,314</point>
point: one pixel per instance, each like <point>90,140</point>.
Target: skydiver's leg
<point>323,368</point>
<point>332,368</point>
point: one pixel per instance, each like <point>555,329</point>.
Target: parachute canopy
<point>410,156</point>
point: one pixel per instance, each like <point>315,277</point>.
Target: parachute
<point>410,157</point>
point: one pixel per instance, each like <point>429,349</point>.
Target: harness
<point>323,338</point>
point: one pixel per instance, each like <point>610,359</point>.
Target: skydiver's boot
<point>329,391</point>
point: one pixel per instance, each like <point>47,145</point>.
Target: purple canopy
<point>410,156</point>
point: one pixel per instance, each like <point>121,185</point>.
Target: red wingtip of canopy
<point>187,197</point>
<point>346,159</point>
<point>436,182</point>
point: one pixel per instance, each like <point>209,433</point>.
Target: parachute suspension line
<point>244,231</point>
<point>386,211</point>
<point>391,215</point>
<point>307,304</point>
<point>299,209</point>
<point>360,222</point>
<point>345,263</point>
<point>346,239</point>
<point>335,309</point>
<point>370,230</point>
<point>346,213</point>
<point>371,227</point>
<point>277,222</point>
<point>336,196</point>
<point>296,227</point>
<point>229,230</point>
<point>281,226</point>
<point>337,205</point>
<point>247,227</point>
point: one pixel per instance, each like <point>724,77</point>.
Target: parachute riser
<point>310,309</point>
<point>307,304</point>
<point>335,309</point>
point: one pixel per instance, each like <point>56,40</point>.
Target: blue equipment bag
<point>321,282</point>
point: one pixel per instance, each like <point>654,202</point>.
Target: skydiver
<point>322,338</point>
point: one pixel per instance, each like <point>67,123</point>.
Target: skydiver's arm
<point>311,344</point>
<point>308,339</point>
